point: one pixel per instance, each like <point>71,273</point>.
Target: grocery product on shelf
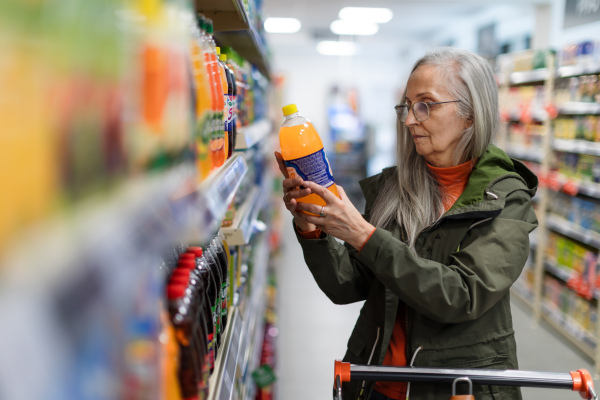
<point>583,54</point>
<point>303,152</point>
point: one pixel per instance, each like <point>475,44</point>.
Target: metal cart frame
<point>578,381</point>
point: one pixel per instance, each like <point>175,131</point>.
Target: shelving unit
<point>543,308</point>
<point>233,28</point>
<point>249,136</point>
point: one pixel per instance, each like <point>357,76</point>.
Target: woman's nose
<point>411,119</point>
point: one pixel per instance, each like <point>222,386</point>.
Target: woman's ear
<point>469,123</point>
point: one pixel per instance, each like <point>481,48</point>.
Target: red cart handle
<point>342,370</point>
<point>583,383</point>
<point>578,381</point>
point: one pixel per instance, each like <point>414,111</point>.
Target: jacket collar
<point>495,171</point>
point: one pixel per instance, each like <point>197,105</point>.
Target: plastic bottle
<point>218,142</point>
<point>203,103</point>
<point>229,105</point>
<point>303,152</point>
<point>225,84</point>
<point>223,260</point>
<point>189,364</point>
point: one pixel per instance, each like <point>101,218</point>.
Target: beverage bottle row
<point>197,296</point>
<point>153,93</point>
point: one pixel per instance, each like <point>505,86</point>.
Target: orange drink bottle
<point>219,131</point>
<point>225,86</point>
<point>203,107</point>
<point>303,153</point>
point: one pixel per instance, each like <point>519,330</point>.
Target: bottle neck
<point>294,115</point>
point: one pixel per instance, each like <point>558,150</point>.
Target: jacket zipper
<point>362,388</point>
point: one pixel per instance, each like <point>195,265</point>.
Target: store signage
<point>579,12</point>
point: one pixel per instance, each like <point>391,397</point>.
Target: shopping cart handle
<point>583,383</point>
<point>342,369</point>
<point>578,381</point>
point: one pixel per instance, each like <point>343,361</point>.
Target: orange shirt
<point>452,181</point>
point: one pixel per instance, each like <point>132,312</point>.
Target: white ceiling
<point>413,20</point>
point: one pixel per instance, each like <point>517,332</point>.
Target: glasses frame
<point>408,108</point>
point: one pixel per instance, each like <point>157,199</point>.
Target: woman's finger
<point>296,194</point>
<point>311,208</point>
<point>321,191</point>
<point>292,183</point>
<point>281,164</point>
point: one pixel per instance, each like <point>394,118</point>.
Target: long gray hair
<point>412,197</point>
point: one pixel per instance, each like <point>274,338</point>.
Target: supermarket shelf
<point>564,275</point>
<point>222,378</point>
<point>578,108</point>
<point>525,77</point>
<point>217,191</point>
<point>577,146</point>
<point>249,45</point>
<point>141,217</point>
<point>568,328</point>
<point>557,271</point>
<point>586,188</point>
<point>248,136</point>
<point>243,223</point>
<point>234,360</point>
<point>232,28</point>
<point>524,153</point>
<point>576,70</point>
<point>537,115</point>
<point>227,15</point>
<point>562,226</point>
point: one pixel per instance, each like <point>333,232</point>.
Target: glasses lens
<point>421,111</point>
<point>402,112</point>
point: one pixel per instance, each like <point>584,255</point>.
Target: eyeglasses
<point>420,110</point>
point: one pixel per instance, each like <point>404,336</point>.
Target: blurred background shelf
<point>577,146</point>
<point>567,228</point>
<point>527,77</point>
<point>579,108</point>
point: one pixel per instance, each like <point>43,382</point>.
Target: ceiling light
<point>331,48</point>
<point>367,14</point>
<point>282,25</point>
<point>340,27</point>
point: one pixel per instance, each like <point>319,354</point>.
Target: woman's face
<point>437,137</point>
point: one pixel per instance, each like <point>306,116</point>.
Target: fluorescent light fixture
<point>340,27</point>
<point>366,14</point>
<point>282,25</point>
<point>332,48</point>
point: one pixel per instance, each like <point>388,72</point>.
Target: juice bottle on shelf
<point>188,362</point>
<point>204,261</point>
<point>169,358</point>
<point>225,87</point>
<point>226,76</point>
<point>203,104</point>
<point>234,106</point>
<point>218,142</point>
<point>303,152</point>
<point>215,265</point>
<point>195,293</point>
<point>223,260</point>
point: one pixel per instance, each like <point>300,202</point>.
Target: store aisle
<point>314,332</point>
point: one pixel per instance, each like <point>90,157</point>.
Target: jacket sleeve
<point>336,269</point>
<point>490,259</point>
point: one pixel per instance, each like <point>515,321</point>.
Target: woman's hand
<point>340,218</point>
<point>291,192</point>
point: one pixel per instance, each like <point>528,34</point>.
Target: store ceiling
<point>413,20</point>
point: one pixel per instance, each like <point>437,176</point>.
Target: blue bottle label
<point>313,167</point>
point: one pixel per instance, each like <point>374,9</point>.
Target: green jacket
<point>456,291</point>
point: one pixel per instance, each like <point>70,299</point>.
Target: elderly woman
<point>443,237</point>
